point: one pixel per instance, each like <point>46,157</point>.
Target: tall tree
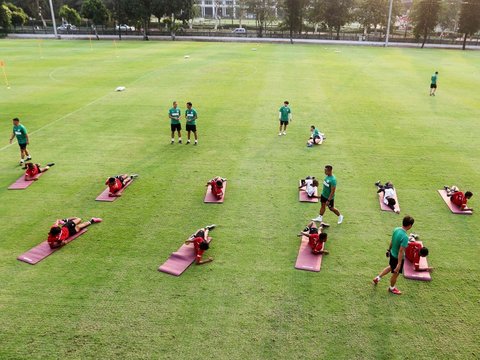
<point>96,12</point>
<point>448,16</point>
<point>337,14</point>
<point>264,11</point>
<point>469,19</point>
<point>315,13</point>
<point>5,17</point>
<point>374,13</point>
<point>70,15</point>
<point>18,16</point>
<point>294,13</point>
<point>425,17</point>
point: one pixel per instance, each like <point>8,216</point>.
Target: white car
<point>239,31</point>
<point>67,27</point>
<point>124,27</point>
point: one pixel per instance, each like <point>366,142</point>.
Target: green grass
<point>102,297</point>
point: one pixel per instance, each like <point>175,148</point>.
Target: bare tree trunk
<point>425,34</point>
<point>464,41</point>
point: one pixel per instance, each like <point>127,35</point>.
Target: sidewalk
<point>255,40</point>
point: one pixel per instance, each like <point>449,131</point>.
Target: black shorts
<point>120,177</point>
<point>175,127</point>
<point>282,122</point>
<point>313,230</point>
<point>393,264</point>
<point>191,127</point>
<point>331,204</point>
<point>22,146</point>
<point>433,86</point>
<point>200,233</point>
<point>70,225</point>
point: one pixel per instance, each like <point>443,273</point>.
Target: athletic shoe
<point>21,162</point>
<point>324,225</point>
<point>280,133</point>
<point>179,141</point>
<point>284,133</point>
<point>195,143</point>
<point>446,187</point>
<point>395,291</point>
<point>171,142</point>
<point>378,183</point>
<point>319,218</point>
<point>210,227</point>
<point>340,219</point>
<point>133,176</point>
<point>375,280</point>
<point>188,142</point>
<point>50,164</point>
<point>29,157</point>
<point>96,220</point>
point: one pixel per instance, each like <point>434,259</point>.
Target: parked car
<point>239,31</point>
<point>124,27</point>
<point>67,27</point>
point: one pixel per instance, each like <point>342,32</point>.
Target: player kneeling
<point>117,183</point>
<point>216,186</point>
<point>458,198</point>
<point>316,137</point>
<point>63,229</point>
<point>316,238</point>
<point>200,244</point>
<point>34,169</point>
<point>414,251</point>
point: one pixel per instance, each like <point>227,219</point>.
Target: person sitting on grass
<point>65,228</point>
<point>216,186</point>
<point>34,169</point>
<point>116,183</point>
<point>310,185</point>
<point>316,238</point>
<point>414,251</point>
<point>388,194</point>
<point>200,243</point>
<point>458,198</point>
<point>316,138</point>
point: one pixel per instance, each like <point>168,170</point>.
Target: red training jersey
<point>118,185</point>
<point>216,190</point>
<point>315,244</point>
<point>198,252</point>
<point>64,234</point>
<point>34,171</point>
<point>412,253</point>
<point>459,199</point>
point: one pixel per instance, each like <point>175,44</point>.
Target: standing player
<point>396,252</point>
<point>174,114</point>
<point>200,244</point>
<point>433,84</point>
<point>191,124</point>
<point>328,195</point>
<point>284,115</point>
<point>20,132</point>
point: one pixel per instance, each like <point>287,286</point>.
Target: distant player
<point>191,123</point>
<point>388,194</point>
<point>396,252</point>
<point>414,251</point>
<point>63,229</point>
<point>200,244</point>
<point>316,137</point>
<point>20,132</point>
<point>116,183</point>
<point>174,114</point>
<point>285,116</point>
<point>459,198</point>
<point>328,195</point>
<point>433,84</point>
<point>34,169</point>
<point>216,186</point>
<point>310,184</point>
<point>316,238</point>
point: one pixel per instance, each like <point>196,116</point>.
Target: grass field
<point>101,296</point>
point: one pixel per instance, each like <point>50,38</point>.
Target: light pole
<point>388,23</point>
<point>53,18</point>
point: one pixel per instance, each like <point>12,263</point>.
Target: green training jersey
<point>284,113</point>
<point>315,133</point>
<point>399,238</point>
<point>434,79</point>
<point>174,114</point>
<point>20,132</point>
<point>328,183</point>
<point>191,116</point>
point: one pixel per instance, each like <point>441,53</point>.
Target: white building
<point>221,8</point>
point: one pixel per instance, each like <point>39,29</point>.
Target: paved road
<point>241,40</point>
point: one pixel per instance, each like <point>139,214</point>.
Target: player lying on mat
<point>216,186</point>
<point>458,198</point>
<point>310,184</point>
<point>63,229</point>
<point>34,169</point>
<point>316,238</point>
<point>388,194</point>
<point>199,240</point>
<point>316,137</point>
<point>414,251</point>
<point>117,183</point>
